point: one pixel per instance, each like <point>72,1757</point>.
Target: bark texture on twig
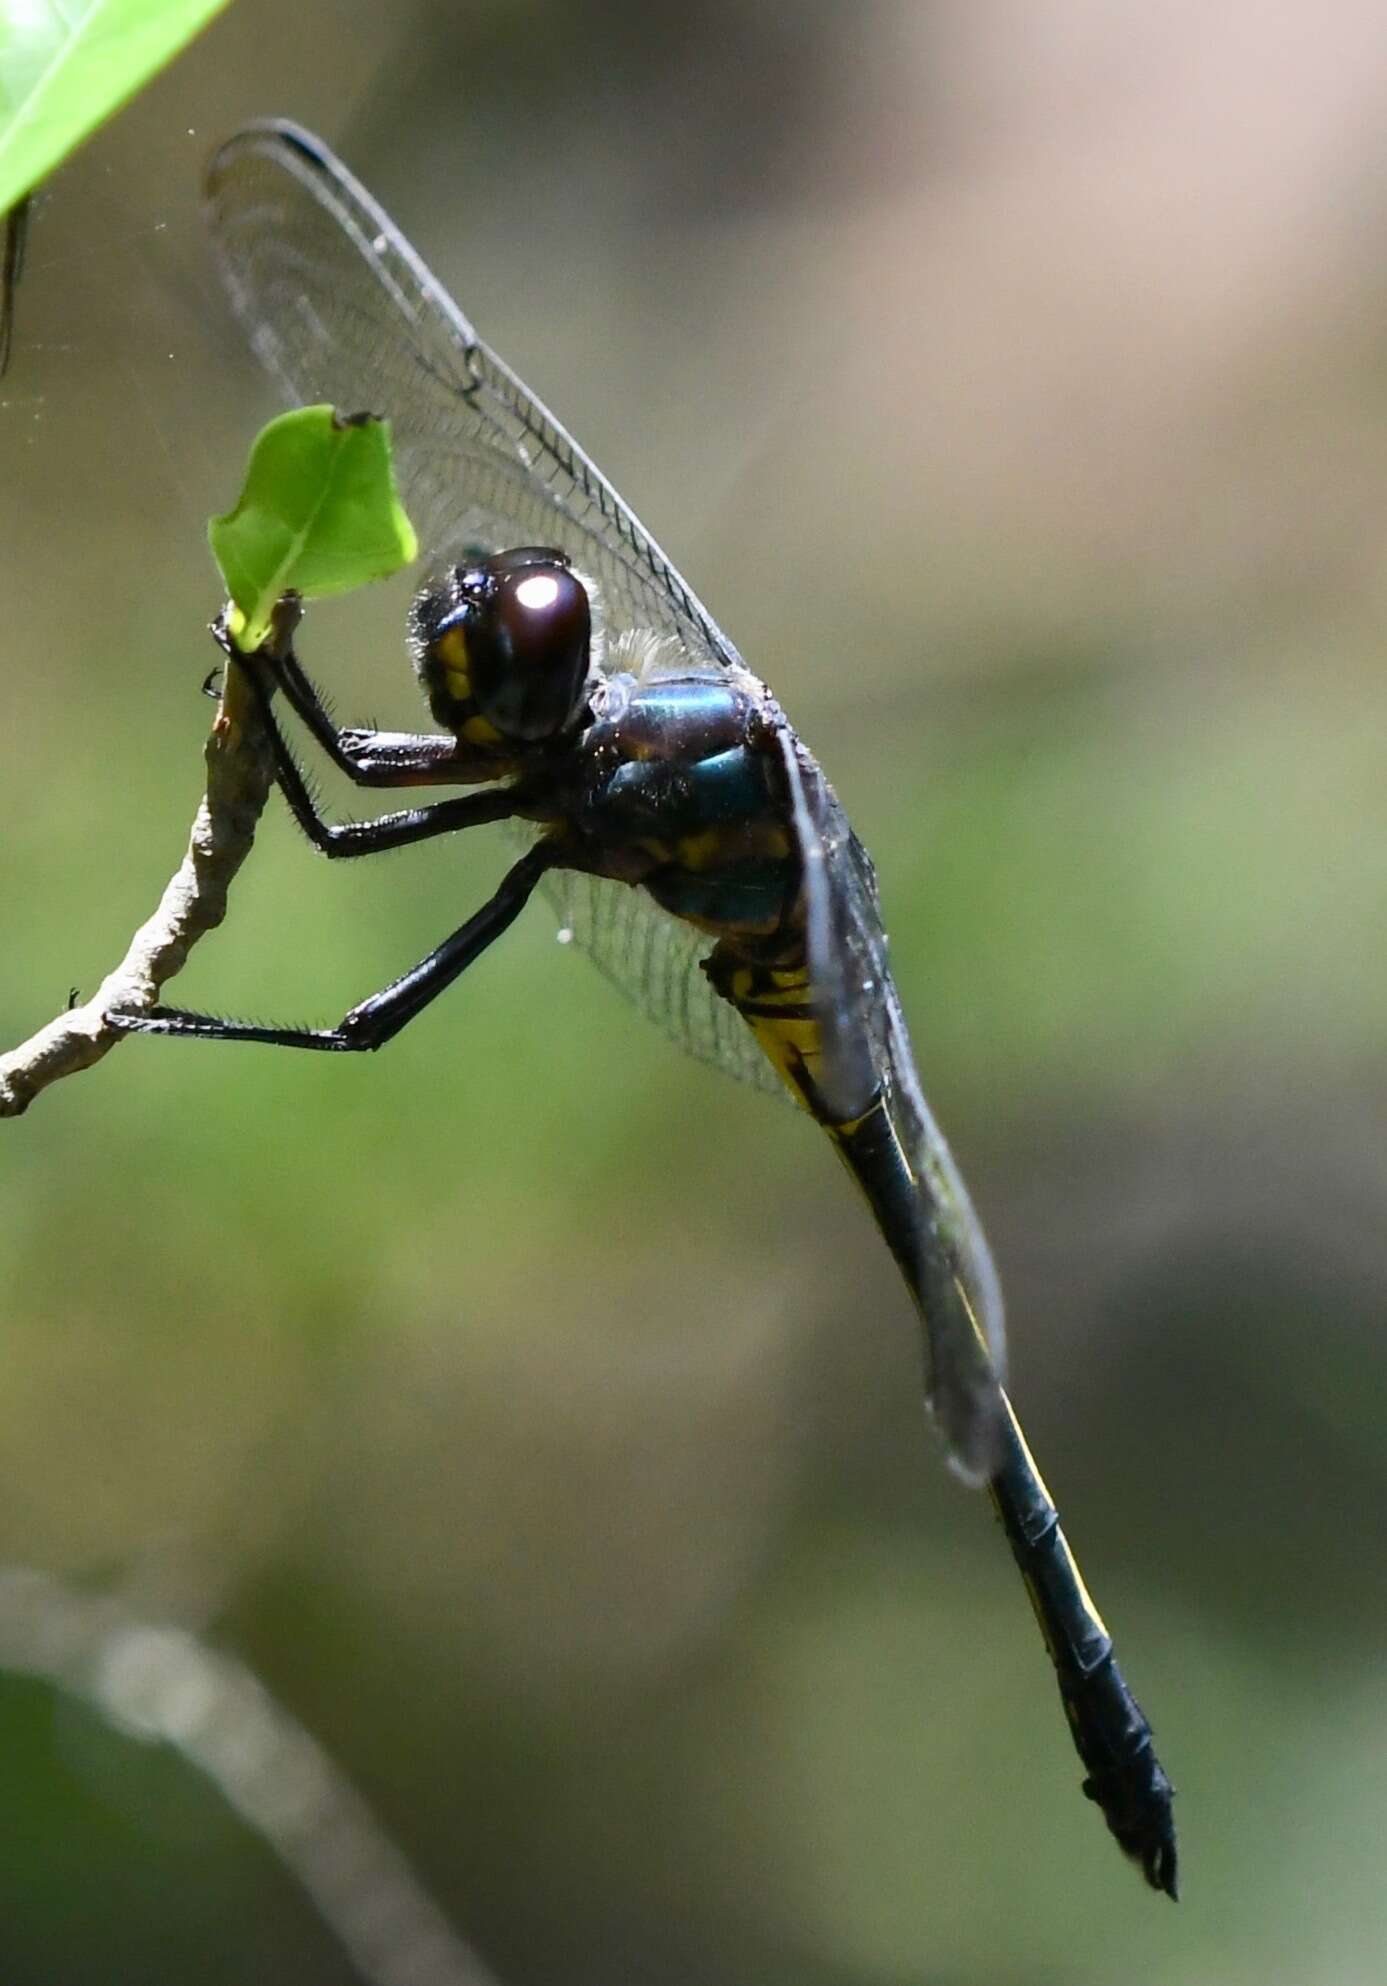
<point>239,775</point>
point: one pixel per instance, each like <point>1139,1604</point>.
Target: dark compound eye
<point>526,555</point>
<point>527,645</point>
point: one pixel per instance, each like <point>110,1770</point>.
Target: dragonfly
<point>688,838</point>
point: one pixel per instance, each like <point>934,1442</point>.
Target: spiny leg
<point>388,831</point>
<point>375,1021</point>
<point>368,757</point>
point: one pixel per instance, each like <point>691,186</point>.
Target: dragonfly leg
<point>367,756</point>
<point>388,830</point>
<point>1109,1728</point>
<point>375,1021</point>
<point>345,838</point>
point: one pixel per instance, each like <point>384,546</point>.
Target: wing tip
<point>267,136</point>
<point>972,1421</point>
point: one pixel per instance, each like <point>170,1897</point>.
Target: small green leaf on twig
<point>319,514</point>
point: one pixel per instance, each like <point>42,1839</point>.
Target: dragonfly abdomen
<point>770,990</point>
<point>1110,1731</point>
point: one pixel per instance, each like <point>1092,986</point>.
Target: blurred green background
<point>537,1413</point>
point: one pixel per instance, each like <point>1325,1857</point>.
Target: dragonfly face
<point>503,647</point>
<point>686,835</point>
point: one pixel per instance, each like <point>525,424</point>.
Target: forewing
<point>340,308</point>
<point>867,1051</point>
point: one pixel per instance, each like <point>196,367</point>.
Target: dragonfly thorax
<point>502,646</point>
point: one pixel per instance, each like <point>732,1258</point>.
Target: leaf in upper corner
<point>65,68</point>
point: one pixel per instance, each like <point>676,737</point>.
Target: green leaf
<point>65,65</point>
<point>319,514</point>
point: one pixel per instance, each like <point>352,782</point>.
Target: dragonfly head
<point>502,646</point>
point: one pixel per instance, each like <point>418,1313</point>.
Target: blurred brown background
<point>537,1413</point>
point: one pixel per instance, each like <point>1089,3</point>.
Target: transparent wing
<point>655,960</point>
<point>867,1052</point>
<point>340,308</point>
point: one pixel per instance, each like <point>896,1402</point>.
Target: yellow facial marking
<point>480,731</point>
<point>449,655</point>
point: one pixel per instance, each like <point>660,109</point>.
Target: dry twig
<point>239,775</point>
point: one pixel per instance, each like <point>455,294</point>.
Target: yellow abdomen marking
<point>776,1004</point>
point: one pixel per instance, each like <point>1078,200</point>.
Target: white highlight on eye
<point>538,593</point>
